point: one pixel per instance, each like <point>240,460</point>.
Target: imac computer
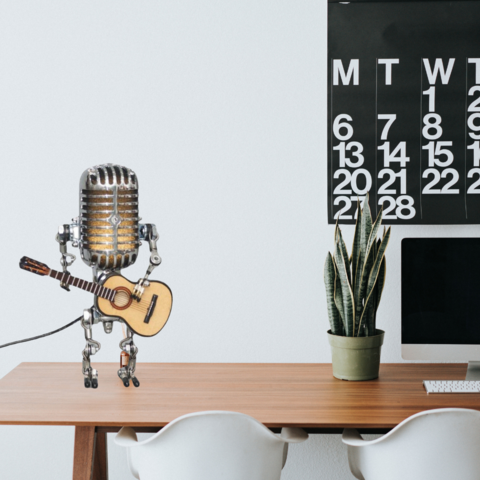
<point>441,301</point>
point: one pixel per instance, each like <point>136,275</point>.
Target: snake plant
<point>354,284</point>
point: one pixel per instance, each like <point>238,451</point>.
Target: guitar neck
<point>91,287</point>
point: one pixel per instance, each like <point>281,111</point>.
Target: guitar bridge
<point>151,308</point>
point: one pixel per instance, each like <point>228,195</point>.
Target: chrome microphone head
<point>109,217</point>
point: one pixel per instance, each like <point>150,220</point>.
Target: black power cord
<point>44,335</point>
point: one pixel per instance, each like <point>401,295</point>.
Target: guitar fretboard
<point>91,287</point>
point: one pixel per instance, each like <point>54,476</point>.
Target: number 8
<point>405,206</point>
<point>429,125</point>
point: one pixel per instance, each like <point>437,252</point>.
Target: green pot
<point>356,358</point>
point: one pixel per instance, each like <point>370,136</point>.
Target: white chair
<point>441,444</point>
<point>210,446</point>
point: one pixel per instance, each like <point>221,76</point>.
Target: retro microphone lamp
<point>108,235</point>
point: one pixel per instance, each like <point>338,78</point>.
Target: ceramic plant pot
<point>356,358</point>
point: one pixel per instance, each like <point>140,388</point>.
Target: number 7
<point>390,119</point>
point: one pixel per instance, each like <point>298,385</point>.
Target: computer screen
<point>441,298</point>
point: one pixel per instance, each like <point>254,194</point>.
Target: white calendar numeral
<point>390,118</point>
<point>436,149</point>
<point>347,206</point>
<point>432,130</point>
<point>346,161</point>
<point>352,178</point>
<point>402,175</point>
<point>446,189</point>
<point>387,209</point>
<point>348,177</point>
<point>405,202</point>
<point>339,125</point>
<point>399,154</point>
<point>368,181</point>
<point>400,205</point>
<point>432,121</point>
<point>428,189</point>
<point>453,181</point>
<point>474,106</point>
<point>358,181</point>
<point>431,98</point>
<point>474,187</point>
<point>475,146</point>
<point>472,126</point>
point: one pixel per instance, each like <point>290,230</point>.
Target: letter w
<point>352,72</point>
<point>438,68</point>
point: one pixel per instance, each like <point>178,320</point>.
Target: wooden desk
<point>300,395</point>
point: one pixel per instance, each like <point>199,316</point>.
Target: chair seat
<point>210,446</point>
<point>441,444</point>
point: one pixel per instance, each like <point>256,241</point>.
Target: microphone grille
<point>109,216</point>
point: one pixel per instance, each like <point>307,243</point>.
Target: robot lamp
<point>108,235</point>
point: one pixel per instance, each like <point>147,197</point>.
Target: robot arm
<point>65,234</point>
<point>147,232</point>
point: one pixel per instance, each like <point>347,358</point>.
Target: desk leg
<point>100,462</point>
<point>83,453</point>
<point>90,455</point>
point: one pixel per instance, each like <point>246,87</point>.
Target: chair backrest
<point>209,446</point>
<point>441,444</point>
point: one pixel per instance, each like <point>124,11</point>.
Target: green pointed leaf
<point>356,244</point>
<point>376,296</point>
<point>368,259</point>
<point>363,261</point>
<point>338,291</point>
<point>347,294</point>
<point>381,280</point>
<point>329,276</point>
<point>344,251</point>
<point>371,315</point>
<point>366,225</point>
<point>375,228</point>
<point>374,275</point>
<point>338,297</point>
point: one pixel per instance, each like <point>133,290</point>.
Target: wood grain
<point>134,315</point>
<point>83,453</point>
<point>302,395</point>
<point>100,459</point>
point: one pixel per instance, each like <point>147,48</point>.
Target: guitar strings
<point>138,306</point>
<point>141,306</point>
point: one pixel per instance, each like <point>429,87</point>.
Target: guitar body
<point>145,318</point>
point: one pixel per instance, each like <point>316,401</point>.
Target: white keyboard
<point>452,386</point>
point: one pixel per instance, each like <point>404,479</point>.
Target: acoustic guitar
<point>113,298</point>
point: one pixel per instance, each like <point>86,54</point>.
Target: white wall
<point>220,108</point>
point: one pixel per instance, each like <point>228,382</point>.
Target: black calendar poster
<point>404,110</point>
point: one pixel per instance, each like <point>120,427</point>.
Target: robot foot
<point>125,377</point>
<point>91,381</point>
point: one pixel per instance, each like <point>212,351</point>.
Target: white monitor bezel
<point>440,352</point>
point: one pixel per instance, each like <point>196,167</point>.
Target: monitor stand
<point>473,371</point>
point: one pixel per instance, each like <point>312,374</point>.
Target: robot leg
<point>128,373</point>
<point>91,348</point>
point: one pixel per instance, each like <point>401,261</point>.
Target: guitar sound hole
<point>123,298</point>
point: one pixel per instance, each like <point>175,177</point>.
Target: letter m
<point>339,71</point>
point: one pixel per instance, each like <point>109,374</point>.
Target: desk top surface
<point>278,395</point>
